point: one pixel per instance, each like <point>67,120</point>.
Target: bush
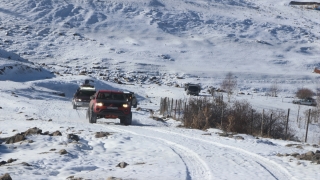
<point>238,117</point>
<point>304,93</point>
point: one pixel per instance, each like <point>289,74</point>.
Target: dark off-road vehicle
<point>110,104</point>
<point>132,98</point>
<point>192,89</point>
<point>82,96</point>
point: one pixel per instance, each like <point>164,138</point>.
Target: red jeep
<point>110,104</point>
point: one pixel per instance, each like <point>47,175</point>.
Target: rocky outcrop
<point>6,176</point>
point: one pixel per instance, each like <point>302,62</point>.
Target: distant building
<point>306,5</point>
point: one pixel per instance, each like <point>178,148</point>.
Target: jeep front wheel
<point>92,116</point>
<point>127,120</point>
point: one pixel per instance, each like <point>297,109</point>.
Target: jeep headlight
<point>78,99</point>
<point>125,105</point>
<point>99,104</point>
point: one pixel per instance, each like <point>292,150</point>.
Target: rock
<point>45,133</point>
<point>316,158</point>
<point>299,147</point>
<point>56,133</point>
<point>2,163</point>
<point>11,160</point>
<point>74,178</point>
<point>208,134</point>
<point>279,155</point>
<point>63,151</point>
<point>6,176</point>
<point>290,145</point>
<point>102,134</point>
<point>122,164</point>
<point>239,137</point>
<point>25,164</point>
<point>16,138</point>
<point>73,137</point>
<point>224,134</point>
<point>52,149</point>
<point>32,131</point>
<point>113,178</point>
<point>310,153</point>
<point>301,157</point>
<point>315,146</point>
<point>294,154</point>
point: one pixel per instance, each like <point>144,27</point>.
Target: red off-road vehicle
<point>110,104</point>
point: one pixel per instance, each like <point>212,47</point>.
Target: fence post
<point>180,107</point>
<point>287,124</point>
<point>252,122</point>
<point>305,140</point>
<point>161,106</point>
<point>262,123</point>
<point>298,113</point>
<point>171,107</point>
<point>221,117</point>
<point>175,109</point>
<point>269,129</point>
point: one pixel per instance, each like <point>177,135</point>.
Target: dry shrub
<point>304,93</point>
<point>239,117</point>
<point>202,113</point>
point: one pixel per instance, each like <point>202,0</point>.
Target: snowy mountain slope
<point>252,39</point>
<point>151,47</point>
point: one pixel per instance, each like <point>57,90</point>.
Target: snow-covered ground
<point>149,47</point>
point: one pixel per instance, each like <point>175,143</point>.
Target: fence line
<point>176,109</point>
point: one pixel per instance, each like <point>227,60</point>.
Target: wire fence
<point>204,112</point>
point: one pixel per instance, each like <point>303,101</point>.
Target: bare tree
<point>229,84</point>
<point>304,93</point>
<point>274,89</point>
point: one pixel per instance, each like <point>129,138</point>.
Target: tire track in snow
<point>196,168</point>
<point>273,168</point>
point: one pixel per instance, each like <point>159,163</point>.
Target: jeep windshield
<point>111,96</point>
<point>85,93</point>
<point>193,88</point>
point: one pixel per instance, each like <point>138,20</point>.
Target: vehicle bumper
<point>82,104</point>
<point>106,112</point>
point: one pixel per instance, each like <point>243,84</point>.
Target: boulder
<point>56,133</point>
<point>73,137</point>
<point>32,131</point>
<point>6,176</point>
<point>11,160</point>
<point>113,178</point>
<point>295,154</point>
<point>102,134</point>
<point>16,138</point>
<point>122,164</point>
<point>25,164</point>
<point>239,137</point>
<point>63,151</point>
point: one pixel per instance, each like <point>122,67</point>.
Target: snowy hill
<point>151,47</point>
<point>255,40</point>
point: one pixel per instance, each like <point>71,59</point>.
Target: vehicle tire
<point>74,106</point>
<point>92,116</point>
<point>122,119</point>
<point>135,105</point>
<point>128,119</point>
